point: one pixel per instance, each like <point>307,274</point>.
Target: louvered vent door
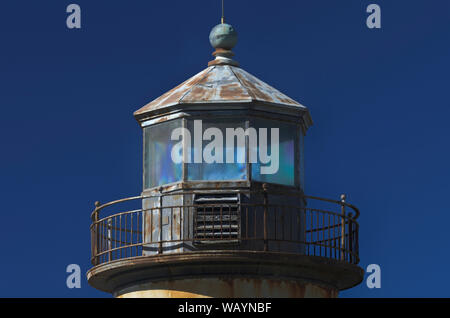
<point>217,219</point>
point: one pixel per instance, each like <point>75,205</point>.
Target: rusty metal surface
<point>221,84</point>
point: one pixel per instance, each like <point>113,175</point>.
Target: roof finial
<point>223,38</point>
<point>223,13</point>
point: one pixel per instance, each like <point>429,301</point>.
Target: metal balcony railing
<point>314,231</point>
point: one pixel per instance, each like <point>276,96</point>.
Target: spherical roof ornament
<point>223,36</point>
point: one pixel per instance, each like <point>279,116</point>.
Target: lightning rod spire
<point>223,12</point>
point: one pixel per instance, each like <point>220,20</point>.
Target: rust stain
<point>231,91</point>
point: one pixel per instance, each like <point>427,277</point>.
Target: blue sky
<point>379,100</point>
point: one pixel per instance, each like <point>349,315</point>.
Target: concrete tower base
<point>225,274</point>
<point>228,288</point>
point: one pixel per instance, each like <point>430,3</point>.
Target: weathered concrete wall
<point>228,288</point>
<point>285,224</point>
<point>170,230</point>
<point>225,273</point>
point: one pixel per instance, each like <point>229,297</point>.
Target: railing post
<point>160,248</point>
<point>356,243</point>
<point>266,202</point>
<point>343,197</point>
<point>109,240</point>
<point>95,234</point>
<point>350,238</point>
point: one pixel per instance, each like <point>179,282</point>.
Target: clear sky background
<point>379,99</point>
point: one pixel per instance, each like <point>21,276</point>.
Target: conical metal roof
<point>220,84</point>
<point>223,82</point>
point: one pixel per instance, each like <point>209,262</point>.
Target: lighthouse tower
<point>223,211</point>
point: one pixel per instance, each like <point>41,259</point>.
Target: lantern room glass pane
<point>302,160</point>
<point>159,168</point>
<point>287,143</point>
<point>217,171</point>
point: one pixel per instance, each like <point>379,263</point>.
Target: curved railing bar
<point>142,197</point>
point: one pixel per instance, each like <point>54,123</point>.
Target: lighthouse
<point>223,211</point>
